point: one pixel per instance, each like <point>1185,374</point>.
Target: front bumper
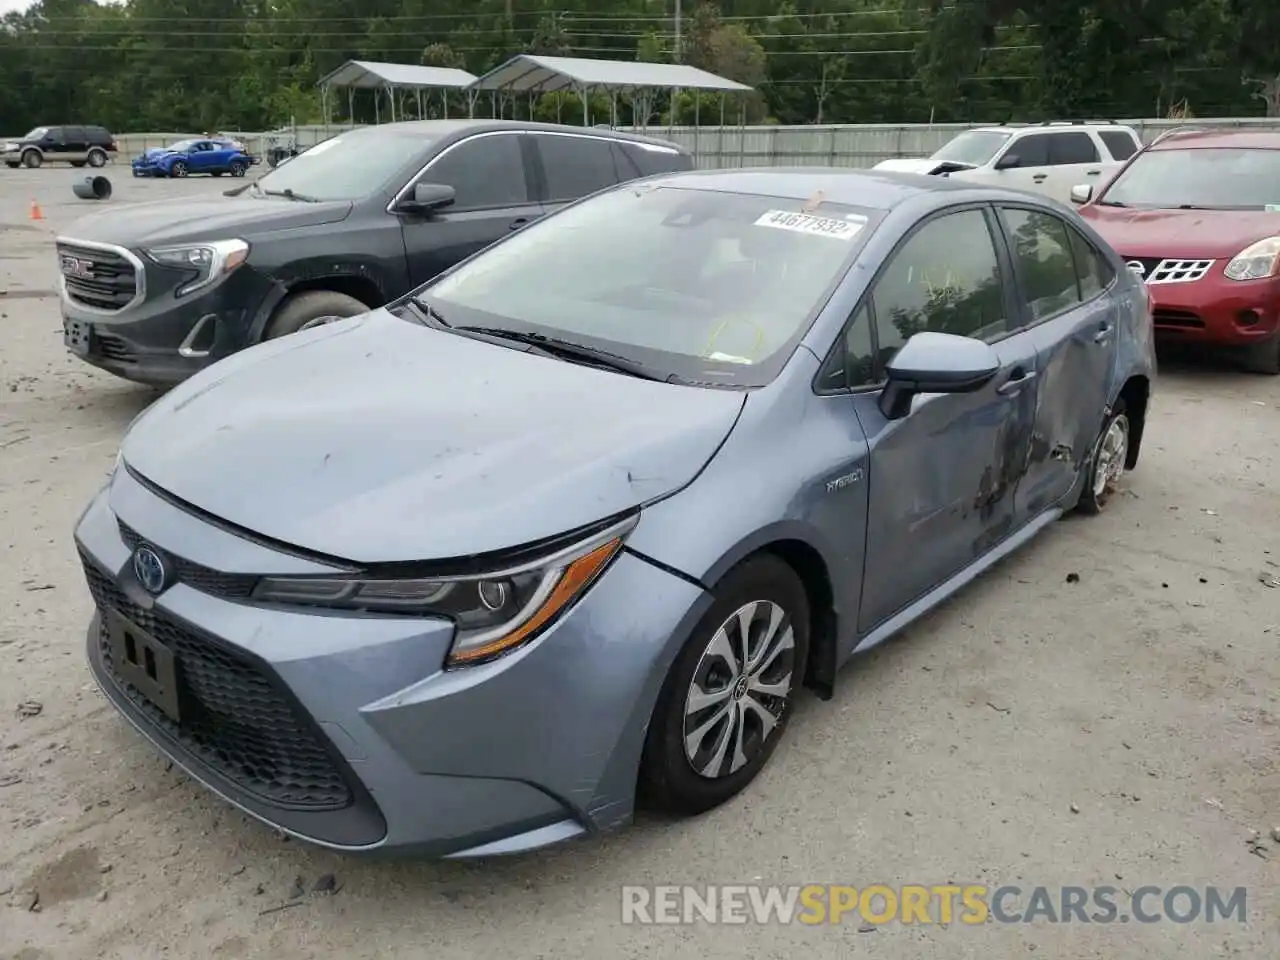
<point>346,731</point>
<point>1215,311</point>
<point>162,339</point>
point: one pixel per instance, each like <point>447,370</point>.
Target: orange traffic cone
<point>35,211</point>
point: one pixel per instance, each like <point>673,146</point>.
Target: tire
<point>304,309</point>
<point>178,169</point>
<point>1264,357</point>
<point>32,159</point>
<point>1106,462</point>
<point>11,164</point>
<point>77,163</point>
<point>215,173</point>
<point>673,781</point>
<point>97,158</point>
<point>238,168</point>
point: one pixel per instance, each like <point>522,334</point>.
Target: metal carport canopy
<point>530,73</point>
<point>366,75</point>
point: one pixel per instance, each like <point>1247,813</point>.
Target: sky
<point>8,6</point>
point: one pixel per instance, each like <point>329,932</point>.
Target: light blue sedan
<point>571,525</point>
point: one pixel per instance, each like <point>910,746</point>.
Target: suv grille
<point>235,720</point>
<point>1168,271</point>
<point>102,279</point>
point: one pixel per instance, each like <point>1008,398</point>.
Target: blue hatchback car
<point>570,526</point>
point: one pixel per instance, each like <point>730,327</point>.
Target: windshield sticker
<point>845,229</point>
<point>1272,208</point>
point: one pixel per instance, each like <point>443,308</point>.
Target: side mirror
<point>1008,162</point>
<point>1082,193</point>
<point>428,197</point>
<point>935,363</point>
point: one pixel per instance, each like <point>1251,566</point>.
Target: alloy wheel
<point>1113,448</point>
<point>740,689</point>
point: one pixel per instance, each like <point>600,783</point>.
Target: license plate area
<point>77,335</point>
<point>143,661</point>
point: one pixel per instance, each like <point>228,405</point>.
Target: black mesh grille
<point>112,348</point>
<point>230,586</point>
<point>97,278</point>
<point>234,719</point>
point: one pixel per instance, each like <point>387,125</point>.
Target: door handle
<point>1039,177</point>
<point>519,222</point>
<point>1103,334</point>
<point>1017,380</point>
<point>1092,173</point>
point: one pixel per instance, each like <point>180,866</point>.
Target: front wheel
<point>726,701</point>
<point>179,169</point>
<point>1106,463</point>
<point>32,159</point>
<point>238,167</point>
<point>1264,357</point>
<point>97,158</point>
<point>311,308</point>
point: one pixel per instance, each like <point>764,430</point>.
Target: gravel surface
<point>1100,709</point>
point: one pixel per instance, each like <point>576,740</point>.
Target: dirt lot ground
<point>1118,726</point>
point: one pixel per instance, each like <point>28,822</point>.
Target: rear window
<point>1224,178</point>
<point>709,286</point>
<point>1120,143</point>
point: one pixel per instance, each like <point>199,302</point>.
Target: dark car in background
<point>157,292</point>
<point>1197,215</point>
<point>76,145</point>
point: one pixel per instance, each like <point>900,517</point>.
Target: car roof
<point>1206,139</point>
<point>1063,127</point>
<point>451,128</point>
<point>872,189</point>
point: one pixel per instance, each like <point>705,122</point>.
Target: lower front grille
<point>235,720</point>
<point>1182,319</point>
<point>112,348</point>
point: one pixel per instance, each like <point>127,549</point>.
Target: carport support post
<point>586,108</point>
<point>351,105</point>
<point>697,124</point>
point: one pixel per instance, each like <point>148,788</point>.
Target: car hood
<point>376,439</point>
<point>1198,234</point>
<point>909,165</point>
<point>177,221</point>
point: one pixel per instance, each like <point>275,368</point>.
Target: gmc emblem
<point>73,267</point>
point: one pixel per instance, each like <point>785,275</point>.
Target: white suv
<point>1047,158</point>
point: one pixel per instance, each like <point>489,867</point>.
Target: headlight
<point>1256,261</point>
<point>494,612</point>
<point>210,261</point>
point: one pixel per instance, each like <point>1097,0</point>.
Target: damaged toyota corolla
<point>571,526</point>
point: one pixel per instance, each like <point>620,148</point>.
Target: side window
<point>1092,269</point>
<point>484,172</point>
<point>1031,150</point>
<point>945,278</point>
<point>851,363</point>
<point>1042,256</point>
<point>627,168</point>
<point>1075,147</point>
<point>53,135</point>
<point>1120,143</point>
<point>576,166</point>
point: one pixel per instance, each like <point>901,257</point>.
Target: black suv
<point>156,293</point>
<point>74,145</point>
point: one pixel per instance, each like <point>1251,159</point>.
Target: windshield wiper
<point>432,313</point>
<point>286,192</point>
<point>1111,203</point>
<point>567,350</point>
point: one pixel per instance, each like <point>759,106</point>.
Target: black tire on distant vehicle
<point>97,158</point>
<point>310,307</point>
<point>31,159</point>
<point>215,173</point>
<point>77,163</point>
<point>179,169</point>
<point>1264,357</point>
<point>238,168</point>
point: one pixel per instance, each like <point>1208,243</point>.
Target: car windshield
<point>1213,178</point>
<point>36,134</point>
<point>974,147</point>
<point>183,145</point>
<point>702,286</point>
<point>350,166</point>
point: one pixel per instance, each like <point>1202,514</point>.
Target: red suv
<point>1197,215</point>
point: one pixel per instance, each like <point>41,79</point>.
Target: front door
<point>489,176</point>
<point>1069,315</point>
<point>941,480</point>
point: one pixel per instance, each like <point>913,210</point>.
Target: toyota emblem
<point>150,569</point>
